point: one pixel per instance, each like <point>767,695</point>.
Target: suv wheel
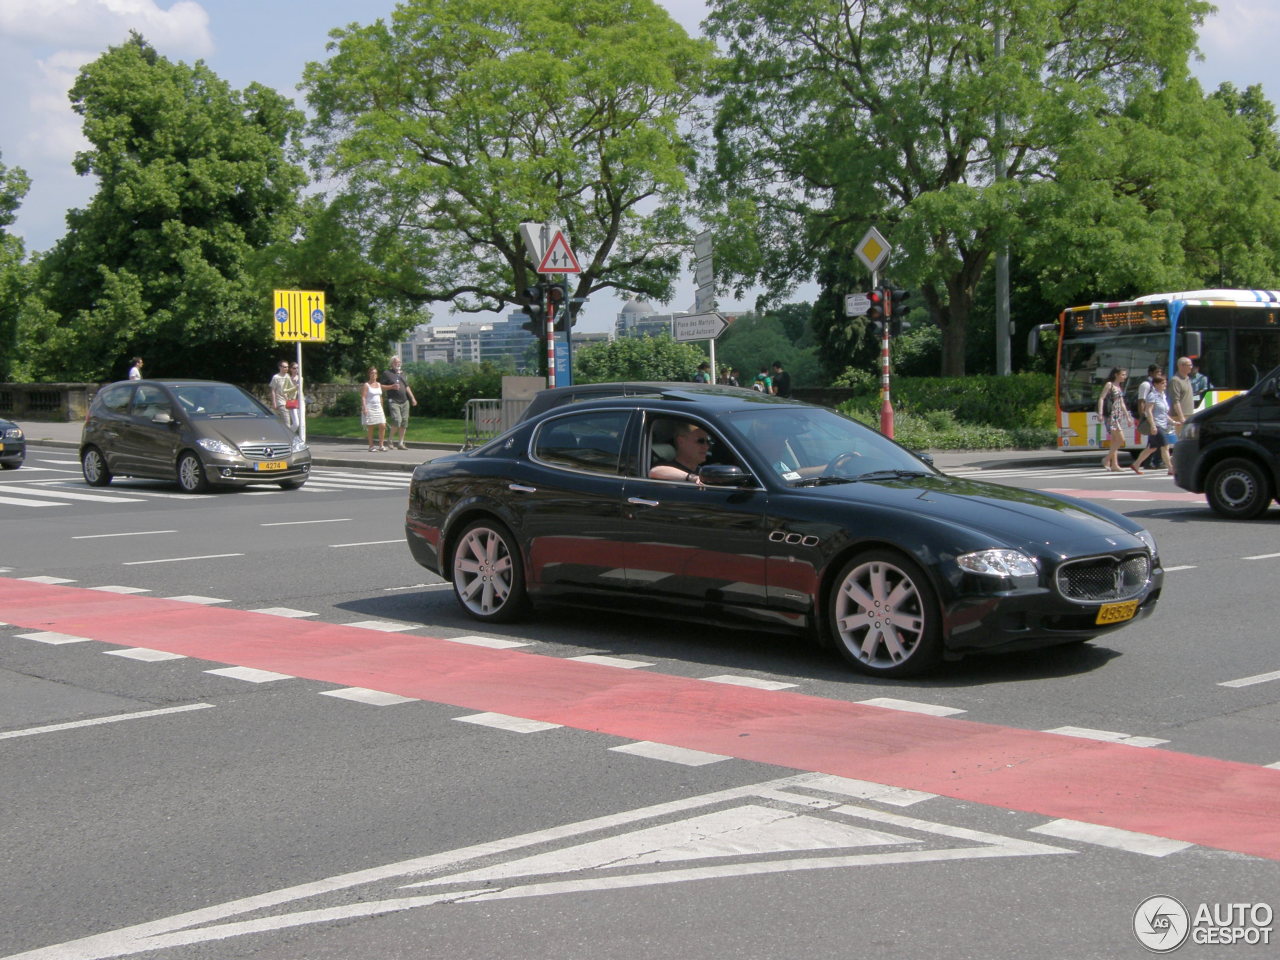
<point>1238,489</point>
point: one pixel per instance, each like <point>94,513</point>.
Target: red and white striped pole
<point>549,310</point>
<point>886,408</point>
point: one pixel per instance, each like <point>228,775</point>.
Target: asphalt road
<point>154,808</point>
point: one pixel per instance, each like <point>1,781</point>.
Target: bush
<point>1023,401</point>
<point>346,404</point>
<point>443,389</point>
<point>940,430</point>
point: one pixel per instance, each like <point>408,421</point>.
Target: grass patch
<point>421,429</point>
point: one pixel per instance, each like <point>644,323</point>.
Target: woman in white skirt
<point>371,414</point>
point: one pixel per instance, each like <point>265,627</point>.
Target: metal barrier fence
<point>486,419</point>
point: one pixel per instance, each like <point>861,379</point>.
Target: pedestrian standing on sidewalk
<point>371,414</point>
<point>1114,416</point>
<point>1157,416</point>
<point>399,397</point>
<point>281,388</point>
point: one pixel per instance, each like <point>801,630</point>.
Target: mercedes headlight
<point>13,433</point>
<point>298,445</point>
<point>998,563</point>
<point>220,447</point>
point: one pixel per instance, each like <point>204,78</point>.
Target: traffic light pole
<point>886,407</point>
<point>549,311</point>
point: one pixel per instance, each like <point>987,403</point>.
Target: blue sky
<point>44,42</point>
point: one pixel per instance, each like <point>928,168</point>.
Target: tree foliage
<point>196,181</point>
<point>837,115</point>
<point>460,119</point>
<point>14,273</point>
<point>636,358</point>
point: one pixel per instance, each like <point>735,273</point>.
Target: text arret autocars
<point>13,445</point>
<point>200,433</point>
<point>799,519</point>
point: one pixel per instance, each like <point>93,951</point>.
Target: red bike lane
<point>1202,800</point>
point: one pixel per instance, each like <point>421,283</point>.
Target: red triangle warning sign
<point>559,258</point>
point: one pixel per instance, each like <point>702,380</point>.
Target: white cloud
<point>1238,43</point>
<point>181,29</point>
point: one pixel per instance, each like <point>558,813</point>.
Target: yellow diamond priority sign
<point>299,316</point>
<point>873,249</point>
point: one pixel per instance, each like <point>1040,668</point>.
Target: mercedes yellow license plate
<point>1117,612</point>
<point>284,465</point>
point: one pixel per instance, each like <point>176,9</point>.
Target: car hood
<point>1027,519</point>
<point>242,430</point>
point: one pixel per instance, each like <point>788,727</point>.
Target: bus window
<point>1257,353</point>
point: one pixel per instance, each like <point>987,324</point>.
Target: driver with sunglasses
<point>691,443</point>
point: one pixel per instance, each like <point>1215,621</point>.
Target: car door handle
<point>521,488</point>
<point>642,503</point>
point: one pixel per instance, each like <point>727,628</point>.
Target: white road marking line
<point>99,721</point>
<point>131,533</point>
<point>386,626</point>
<point>367,543</point>
<point>144,654</point>
<point>374,698</point>
<point>664,751</point>
<point>284,612</point>
<point>611,661</point>
<point>72,495</point>
<point>1107,736</point>
<point>753,682</point>
<point>49,580</point>
<point>1262,556</point>
<point>911,706</point>
<point>195,598</point>
<point>417,586</point>
<point>114,589</point>
<point>867,790</point>
<point>249,674</point>
<point>52,637</point>
<point>500,721</point>
<point>1250,681</point>
<point>207,556</point>
<point>1113,837</point>
<point>497,643</point>
<point>1274,766</point>
<point>14,501</point>
<point>1184,567</point>
<point>299,523</point>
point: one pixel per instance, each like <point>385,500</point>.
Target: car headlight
<point>13,433</point>
<point>220,447</point>
<point>1146,537</point>
<point>298,445</point>
<point>998,563</point>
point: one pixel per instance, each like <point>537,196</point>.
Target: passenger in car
<point>691,447</point>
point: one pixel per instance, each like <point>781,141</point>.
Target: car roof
<point>715,395</point>
<point>176,381</point>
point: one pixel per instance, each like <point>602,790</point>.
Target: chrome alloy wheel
<point>487,575</point>
<point>883,616</point>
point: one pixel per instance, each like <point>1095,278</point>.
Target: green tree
<point>195,181</point>
<point>837,115</point>
<point>755,340</point>
<point>14,184</point>
<point>636,358</point>
<point>447,127</point>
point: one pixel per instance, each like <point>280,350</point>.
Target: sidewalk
<point>340,452</point>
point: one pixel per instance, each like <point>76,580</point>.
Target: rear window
<point>114,399</point>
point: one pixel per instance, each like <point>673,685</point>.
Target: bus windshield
<point>1087,360</point>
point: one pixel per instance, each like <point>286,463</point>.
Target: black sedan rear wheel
<point>883,615</point>
<point>488,575</point>
<point>1238,489</point>
<point>94,467</point>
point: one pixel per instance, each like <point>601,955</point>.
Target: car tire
<point>1238,489</point>
<point>191,475</point>
<point>94,467</point>
<point>291,484</point>
<point>883,616</point>
<point>11,466</point>
<point>487,573</point>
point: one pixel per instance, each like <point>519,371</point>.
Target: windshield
<point>216,400</point>
<point>1087,360</point>
<point>804,443</point>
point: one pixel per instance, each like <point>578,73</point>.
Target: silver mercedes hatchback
<point>201,433</point>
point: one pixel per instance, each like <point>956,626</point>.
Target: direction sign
<point>699,326</point>
<point>704,299</point>
<point>702,245</point>
<point>856,304</point>
<point>559,258</point>
<point>703,274</point>
<point>299,316</point>
<point>873,249</point>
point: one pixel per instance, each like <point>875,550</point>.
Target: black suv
<point>1230,452</point>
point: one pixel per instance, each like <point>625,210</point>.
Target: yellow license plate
<point>1117,612</point>
<point>1,446</point>
<point>284,465</point>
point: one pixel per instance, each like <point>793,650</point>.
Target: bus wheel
<point>1238,489</point>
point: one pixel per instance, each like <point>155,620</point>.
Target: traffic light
<point>558,303</point>
<point>876,313</point>
<point>898,310</point>
<point>532,306</point>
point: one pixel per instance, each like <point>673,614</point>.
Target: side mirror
<point>924,455</point>
<point>725,475</point>
<point>162,418</point>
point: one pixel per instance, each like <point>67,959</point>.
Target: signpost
<point>299,316</point>
<point>698,326</point>
<point>558,257</point>
<point>856,304</point>
<point>873,250</point>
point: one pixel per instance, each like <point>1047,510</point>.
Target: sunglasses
<point>702,440</point>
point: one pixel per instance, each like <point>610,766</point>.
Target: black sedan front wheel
<point>883,615</point>
<point>488,575</point>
